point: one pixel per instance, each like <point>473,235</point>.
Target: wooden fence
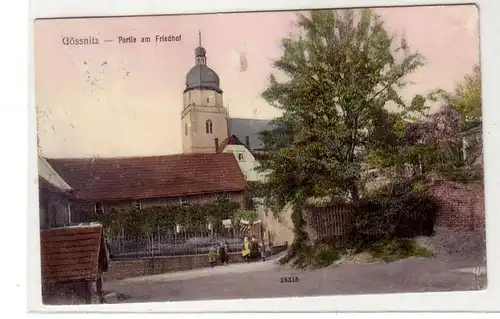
<point>335,221</point>
<point>330,221</point>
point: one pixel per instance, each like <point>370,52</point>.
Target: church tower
<point>204,119</point>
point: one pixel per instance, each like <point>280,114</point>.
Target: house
<point>100,184</point>
<point>73,260</point>
<point>246,159</point>
<point>54,197</point>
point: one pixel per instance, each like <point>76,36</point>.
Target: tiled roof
<point>71,253</point>
<point>151,177</point>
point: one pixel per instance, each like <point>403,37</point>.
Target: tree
<point>341,74</point>
<point>466,98</point>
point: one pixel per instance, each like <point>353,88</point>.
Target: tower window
<point>185,129</point>
<point>208,127</point>
<point>99,208</point>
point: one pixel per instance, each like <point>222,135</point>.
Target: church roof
<point>202,77</point>
<point>242,128</point>
<point>135,178</point>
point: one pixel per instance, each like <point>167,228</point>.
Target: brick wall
<point>461,205</point>
<point>158,265</point>
<point>461,209</point>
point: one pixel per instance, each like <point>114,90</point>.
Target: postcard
<point>260,155</point>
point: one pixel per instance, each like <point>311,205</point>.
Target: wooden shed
<point>73,260</point>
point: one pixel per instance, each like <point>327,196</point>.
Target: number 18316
<point>286,280</point>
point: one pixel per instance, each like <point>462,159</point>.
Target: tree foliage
<point>436,145</point>
<point>466,98</point>
<point>342,71</point>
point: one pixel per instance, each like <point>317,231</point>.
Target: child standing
<point>212,257</point>
<point>262,249</point>
<point>223,254</point>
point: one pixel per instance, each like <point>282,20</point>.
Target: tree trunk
<point>355,196</point>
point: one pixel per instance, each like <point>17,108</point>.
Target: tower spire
<point>200,52</point>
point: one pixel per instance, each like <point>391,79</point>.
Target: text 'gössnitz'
<point>122,39</point>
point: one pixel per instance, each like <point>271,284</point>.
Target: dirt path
<point>263,280</point>
<point>239,268</point>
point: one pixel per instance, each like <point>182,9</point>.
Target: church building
<point>206,125</point>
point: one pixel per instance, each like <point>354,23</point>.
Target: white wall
<point>248,164</point>
<point>280,228</point>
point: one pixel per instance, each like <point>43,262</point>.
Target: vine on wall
<point>151,219</point>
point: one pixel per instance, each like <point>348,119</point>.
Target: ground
<point>445,272</point>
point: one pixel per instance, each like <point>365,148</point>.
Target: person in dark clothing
<point>254,249</point>
<point>226,247</point>
<point>222,254</point>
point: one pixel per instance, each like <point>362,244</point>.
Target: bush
<point>400,210</point>
<point>194,218</point>
<point>314,256</point>
<point>396,249</point>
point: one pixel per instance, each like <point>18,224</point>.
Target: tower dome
<point>201,76</point>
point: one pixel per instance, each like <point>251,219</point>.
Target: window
<point>98,208</point>
<point>208,100</point>
<point>224,196</point>
<point>208,127</point>
<point>183,201</point>
<point>240,157</point>
<point>185,129</point>
<point>136,204</point>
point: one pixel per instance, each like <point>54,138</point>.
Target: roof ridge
<point>131,157</point>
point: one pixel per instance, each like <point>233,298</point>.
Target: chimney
<point>247,141</point>
<point>216,141</point>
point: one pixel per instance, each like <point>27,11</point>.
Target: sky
<point>125,99</point>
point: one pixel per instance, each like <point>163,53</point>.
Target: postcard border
<point>452,301</point>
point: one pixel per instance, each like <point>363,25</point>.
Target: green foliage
<point>341,72</point>
<point>256,189</point>
<point>401,209</point>
<point>466,98</point>
<point>243,214</point>
<point>395,249</point>
<point>314,256</point>
<point>341,75</point>
<point>150,219</point>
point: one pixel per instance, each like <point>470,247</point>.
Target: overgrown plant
<point>341,70</point>
<point>147,220</point>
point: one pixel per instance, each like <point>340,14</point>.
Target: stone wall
<point>279,229</point>
<point>121,269</point>
<point>461,205</point>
